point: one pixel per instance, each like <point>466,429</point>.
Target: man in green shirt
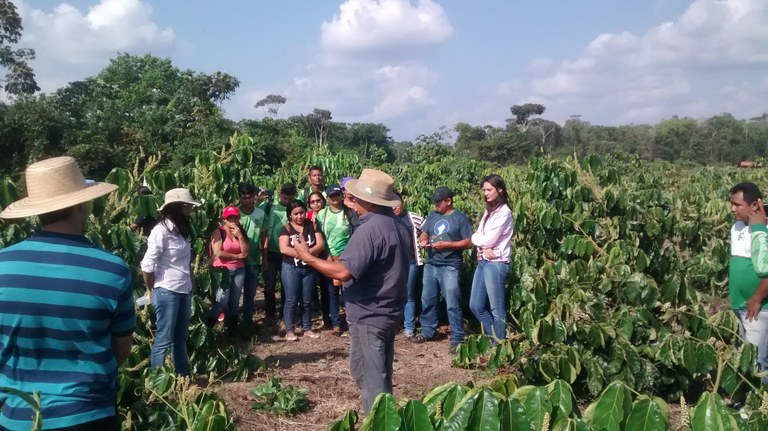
<point>276,218</point>
<point>252,218</point>
<point>748,293</point>
<point>335,222</point>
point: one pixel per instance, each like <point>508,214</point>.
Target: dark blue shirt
<point>377,257</point>
<point>451,227</point>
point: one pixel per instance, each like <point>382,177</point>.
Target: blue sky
<point>417,65</point>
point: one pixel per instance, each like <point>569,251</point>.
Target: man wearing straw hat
<point>374,269</point>
<point>66,308</point>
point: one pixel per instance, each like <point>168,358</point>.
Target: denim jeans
<point>228,301</point>
<point>252,272</point>
<point>331,304</point>
<point>173,311</point>
<point>443,279</point>
<point>274,263</point>
<point>298,284</point>
<point>410,306</point>
<point>488,298</point>
<point>371,353</point>
<point>756,332</point>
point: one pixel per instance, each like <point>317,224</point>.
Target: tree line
<point>138,106</point>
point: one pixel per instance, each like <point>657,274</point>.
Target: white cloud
<point>366,26</point>
<point>670,69</point>
<point>72,44</point>
<point>371,67</point>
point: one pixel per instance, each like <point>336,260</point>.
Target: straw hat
<point>374,186</point>
<point>55,184</point>
<point>183,196</point>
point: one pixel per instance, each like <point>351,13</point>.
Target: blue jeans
<point>488,298</point>
<point>173,311</point>
<point>443,279</point>
<point>332,296</point>
<point>228,301</point>
<point>252,272</point>
<point>298,284</point>
<point>410,306</point>
<point>756,332</point>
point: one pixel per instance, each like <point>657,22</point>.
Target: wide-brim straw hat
<point>374,186</point>
<point>55,184</point>
<point>176,196</point>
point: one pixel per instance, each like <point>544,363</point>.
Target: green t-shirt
<point>742,279</point>
<point>275,221</point>
<point>253,224</point>
<point>335,226</point>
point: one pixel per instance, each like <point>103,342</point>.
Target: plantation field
<point>615,295</point>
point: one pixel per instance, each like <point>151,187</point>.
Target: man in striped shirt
<point>66,308</point>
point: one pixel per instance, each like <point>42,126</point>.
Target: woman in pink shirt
<point>492,239</point>
<point>230,247</point>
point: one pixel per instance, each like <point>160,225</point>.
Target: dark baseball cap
<point>441,193</point>
<point>332,190</point>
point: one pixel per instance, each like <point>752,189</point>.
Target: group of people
<point>67,306</point>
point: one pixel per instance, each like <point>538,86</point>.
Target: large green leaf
<point>561,396</point>
<point>513,417</point>
<point>478,410</point>
<point>612,408</point>
<point>646,415</point>
<point>537,404</point>
<point>347,423</point>
<point>445,396</point>
<point>415,417</point>
<point>710,414</point>
<point>383,415</point>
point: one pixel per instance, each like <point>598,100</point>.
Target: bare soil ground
<point>322,366</point>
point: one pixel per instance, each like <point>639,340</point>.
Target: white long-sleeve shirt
<point>168,258</point>
<point>495,233</point>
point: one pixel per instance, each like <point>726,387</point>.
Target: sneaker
<point>454,348</point>
<point>311,334</point>
<point>290,336</point>
<point>408,335</point>
<point>418,339</point>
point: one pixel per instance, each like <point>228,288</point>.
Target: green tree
<point>19,76</point>
<point>144,104</point>
<point>271,104</point>
<point>523,114</point>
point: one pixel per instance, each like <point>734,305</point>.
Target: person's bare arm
<point>455,245</point>
<point>285,245</point>
<point>755,302</point>
<point>149,280</point>
<point>319,244</point>
<point>424,239</point>
<point>121,348</point>
<point>330,269</point>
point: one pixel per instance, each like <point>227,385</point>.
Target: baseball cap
<point>441,193</point>
<point>332,189</point>
<point>230,211</point>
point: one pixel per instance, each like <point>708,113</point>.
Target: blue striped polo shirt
<point>61,301</point>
